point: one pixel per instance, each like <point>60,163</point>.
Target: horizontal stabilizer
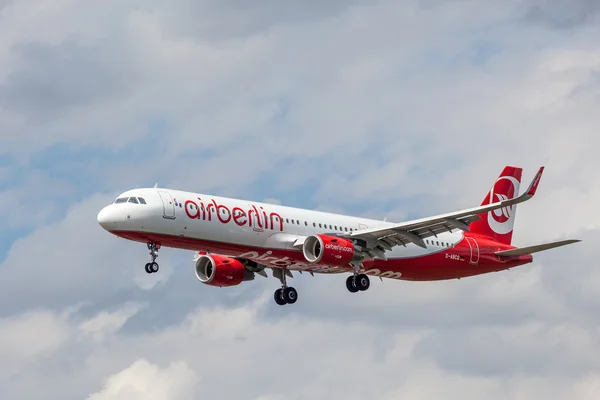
<point>534,249</point>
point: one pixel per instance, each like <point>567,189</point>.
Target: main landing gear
<point>287,294</point>
<point>152,267</point>
<point>357,282</point>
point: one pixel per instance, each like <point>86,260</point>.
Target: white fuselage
<point>243,224</point>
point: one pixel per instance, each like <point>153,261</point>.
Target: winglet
<point>535,183</point>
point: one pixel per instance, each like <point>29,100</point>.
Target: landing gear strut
<point>287,294</point>
<point>357,282</point>
<point>152,267</point>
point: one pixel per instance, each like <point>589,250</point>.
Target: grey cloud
<point>533,349</point>
<point>561,14</point>
<point>213,20</point>
<point>590,87</point>
<point>50,78</point>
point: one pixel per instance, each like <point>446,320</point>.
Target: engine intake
<point>221,271</point>
<point>329,250</point>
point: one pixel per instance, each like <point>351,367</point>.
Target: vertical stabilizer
<point>498,224</point>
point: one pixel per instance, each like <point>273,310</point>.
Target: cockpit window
<point>142,201</point>
<point>133,200</point>
<point>121,200</point>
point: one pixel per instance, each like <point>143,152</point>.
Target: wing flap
<point>534,249</point>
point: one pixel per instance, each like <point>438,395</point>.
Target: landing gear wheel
<point>153,267</point>
<point>278,296</point>
<point>290,295</point>
<point>351,284</point>
<point>362,282</point>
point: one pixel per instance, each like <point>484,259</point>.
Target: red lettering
<point>189,204</point>
<point>266,219</point>
<point>250,212</point>
<point>203,209</point>
<point>218,207</point>
<point>252,217</point>
<point>238,214</point>
<point>257,217</point>
<point>208,208</point>
<point>279,219</point>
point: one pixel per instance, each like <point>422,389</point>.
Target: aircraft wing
<point>380,239</point>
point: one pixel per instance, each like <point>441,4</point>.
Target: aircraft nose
<point>106,217</point>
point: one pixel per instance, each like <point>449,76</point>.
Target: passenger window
<point>305,223</point>
<point>141,200</point>
<point>320,226</point>
<point>121,200</point>
<point>315,224</point>
<point>133,200</point>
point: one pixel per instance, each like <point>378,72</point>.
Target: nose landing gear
<point>152,267</point>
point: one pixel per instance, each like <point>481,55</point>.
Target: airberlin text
<point>253,217</point>
<point>338,247</point>
<point>268,259</point>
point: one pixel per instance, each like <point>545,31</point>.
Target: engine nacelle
<point>221,271</point>
<point>329,250</point>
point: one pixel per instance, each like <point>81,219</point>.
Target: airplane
<point>235,240</point>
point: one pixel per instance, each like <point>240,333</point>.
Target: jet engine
<point>221,271</point>
<point>329,250</point>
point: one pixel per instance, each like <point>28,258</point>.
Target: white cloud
<point>146,381</point>
<point>272,201</point>
<point>30,338</point>
<point>107,323</point>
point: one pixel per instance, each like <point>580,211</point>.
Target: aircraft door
<point>168,206</point>
<point>474,250</point>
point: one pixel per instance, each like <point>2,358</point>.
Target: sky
<point>381,109</point>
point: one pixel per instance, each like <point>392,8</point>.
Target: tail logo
<point>501,221</point>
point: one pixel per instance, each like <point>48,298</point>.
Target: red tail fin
<point>498,224</point>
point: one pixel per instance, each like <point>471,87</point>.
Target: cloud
<point>272,201</point>
<point>211,20</point>
<point>562,14</point>
<point>58,77</point>
<point>143,380</point>
<point>189,359</point>
<point>107,323</point>
<point>30,338</point>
